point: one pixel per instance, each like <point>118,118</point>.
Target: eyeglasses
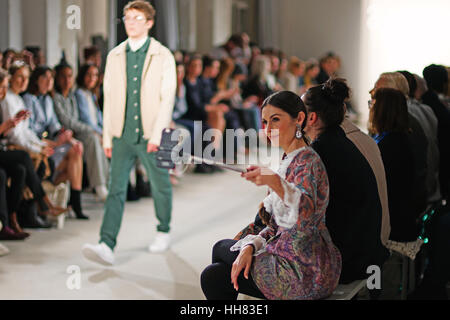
<point>135,19</point>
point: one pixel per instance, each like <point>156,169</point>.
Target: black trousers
<point>17,173</point>
<point>3,204</point>
<point>216,278</point>
<point>15,162</point>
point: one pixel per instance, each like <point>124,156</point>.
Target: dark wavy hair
<point>33,86</point>
<point>82,74</point>
<point>58,70</point>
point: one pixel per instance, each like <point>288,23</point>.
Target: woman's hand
<point>264,177</point>
<point>65,137</point>
<point>77,146</point>
<point>6,126</point>
<point>243,261</point>
<point>260,176</point>
<point>47,151</point>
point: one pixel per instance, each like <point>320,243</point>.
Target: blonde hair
<point>226,70</point>
<point>294,63</point>
<point>3,75</point>
<point>261,66</point>
<point>142,6</point>
<point>395,80</point>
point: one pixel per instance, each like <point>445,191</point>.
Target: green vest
<point>133,131</point>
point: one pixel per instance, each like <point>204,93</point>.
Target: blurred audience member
<point>67,110</point>
<point>418,140</point>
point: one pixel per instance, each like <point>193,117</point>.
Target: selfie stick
<point>219,164</point>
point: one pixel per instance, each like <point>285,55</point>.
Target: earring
<point>298,133</point>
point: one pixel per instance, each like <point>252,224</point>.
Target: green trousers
<point>123,159</point>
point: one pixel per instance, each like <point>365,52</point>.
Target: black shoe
<point>142,188</point>
<point>8,234</point>
<point>36,223</point>
<point>132,195</point>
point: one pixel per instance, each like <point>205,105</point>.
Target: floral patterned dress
<point>295,258</point>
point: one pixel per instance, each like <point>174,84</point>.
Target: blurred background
<point>369,36</point>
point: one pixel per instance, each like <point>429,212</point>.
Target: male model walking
<point>139,90</point>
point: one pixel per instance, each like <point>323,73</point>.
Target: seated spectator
<point>257,85</point>
<point>369,149</point>
<point>418,141</point>
<point>37,55</point>
<point>436,78</point>
<point>388,124</point>
<point>248,108</point>
<point>67,110</point>
<point>329,67</point>
<point>66,153</point>
<point>231,49</point>
<point>290,80</point>
<point>429,124</point>
<point>93,56</point>
<point>355,225</point>
<point>272,77</point>
<point>271,264</point>
<point>312,70</point>
<point>181,107</point>
<point>203,104</point>
<point>88,109</point>
<point>8,57</point>
<point>18,166</point>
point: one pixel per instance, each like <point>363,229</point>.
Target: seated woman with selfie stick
<point>293,258</point>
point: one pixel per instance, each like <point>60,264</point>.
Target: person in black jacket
<point>354,212</point>
<point>437,79</point>
<point>388,125</point>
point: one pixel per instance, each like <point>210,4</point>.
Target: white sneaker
<point>161,243</point>
<point>101,192</point>
<point>99,253</point>
<point>3,250</point>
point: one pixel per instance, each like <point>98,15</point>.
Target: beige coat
<point>369,149</point>
<point>158,90</point>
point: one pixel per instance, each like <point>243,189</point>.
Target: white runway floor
<point>207,208</point>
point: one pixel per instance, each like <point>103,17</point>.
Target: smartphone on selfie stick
<point>171,150</point>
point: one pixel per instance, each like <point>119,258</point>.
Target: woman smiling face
<point>19,80</point>
<point>279,126</point>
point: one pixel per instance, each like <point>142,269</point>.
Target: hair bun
<point>336,90</point>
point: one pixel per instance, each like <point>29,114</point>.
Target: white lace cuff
<point>287,214</point>
<point>257,241</point>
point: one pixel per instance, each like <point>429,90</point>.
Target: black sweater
<point>353,216</point>
<point>398,160</point>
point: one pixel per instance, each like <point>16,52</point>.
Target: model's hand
<point>152,148</point>
<point>108,152</point>
<point>243,261</point>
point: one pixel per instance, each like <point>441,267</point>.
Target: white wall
<point>310,28</point>
<point>15,24</point>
